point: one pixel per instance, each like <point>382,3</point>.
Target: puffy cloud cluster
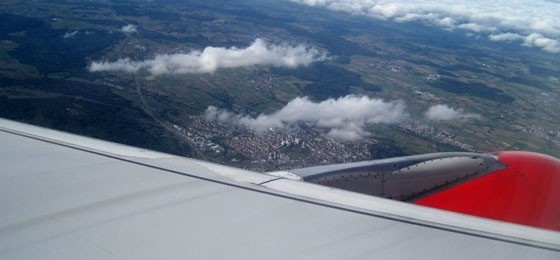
<point>212,58</point>
<point>531,40</point>
<point>345,117</point>
<point>533,22</point>
<point>129,28</point>
<point>542,42</point>
<point>444,112</point>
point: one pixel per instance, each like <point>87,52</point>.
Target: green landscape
<point>508,93</point>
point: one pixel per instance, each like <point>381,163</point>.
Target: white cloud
<point>212,58</point>
<point>345,117</point>
<point>540,41</point>
<point>444,112</point>
<point>499,17</point>
<point>129,28</point>
<point>473,27</point>
<point>505,37</point>
<point>69,35</point>
<point>532,40</point>
<point>120,65</point>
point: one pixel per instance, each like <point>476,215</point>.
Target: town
<point>290,147</point>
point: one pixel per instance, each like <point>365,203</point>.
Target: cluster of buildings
<point>420,129</point>
<point>400,68</point>
<point>274,149</point>
<point>290,147</point>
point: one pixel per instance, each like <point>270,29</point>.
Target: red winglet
<point>526,192</point>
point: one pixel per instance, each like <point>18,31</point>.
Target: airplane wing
<point>64,196</point>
